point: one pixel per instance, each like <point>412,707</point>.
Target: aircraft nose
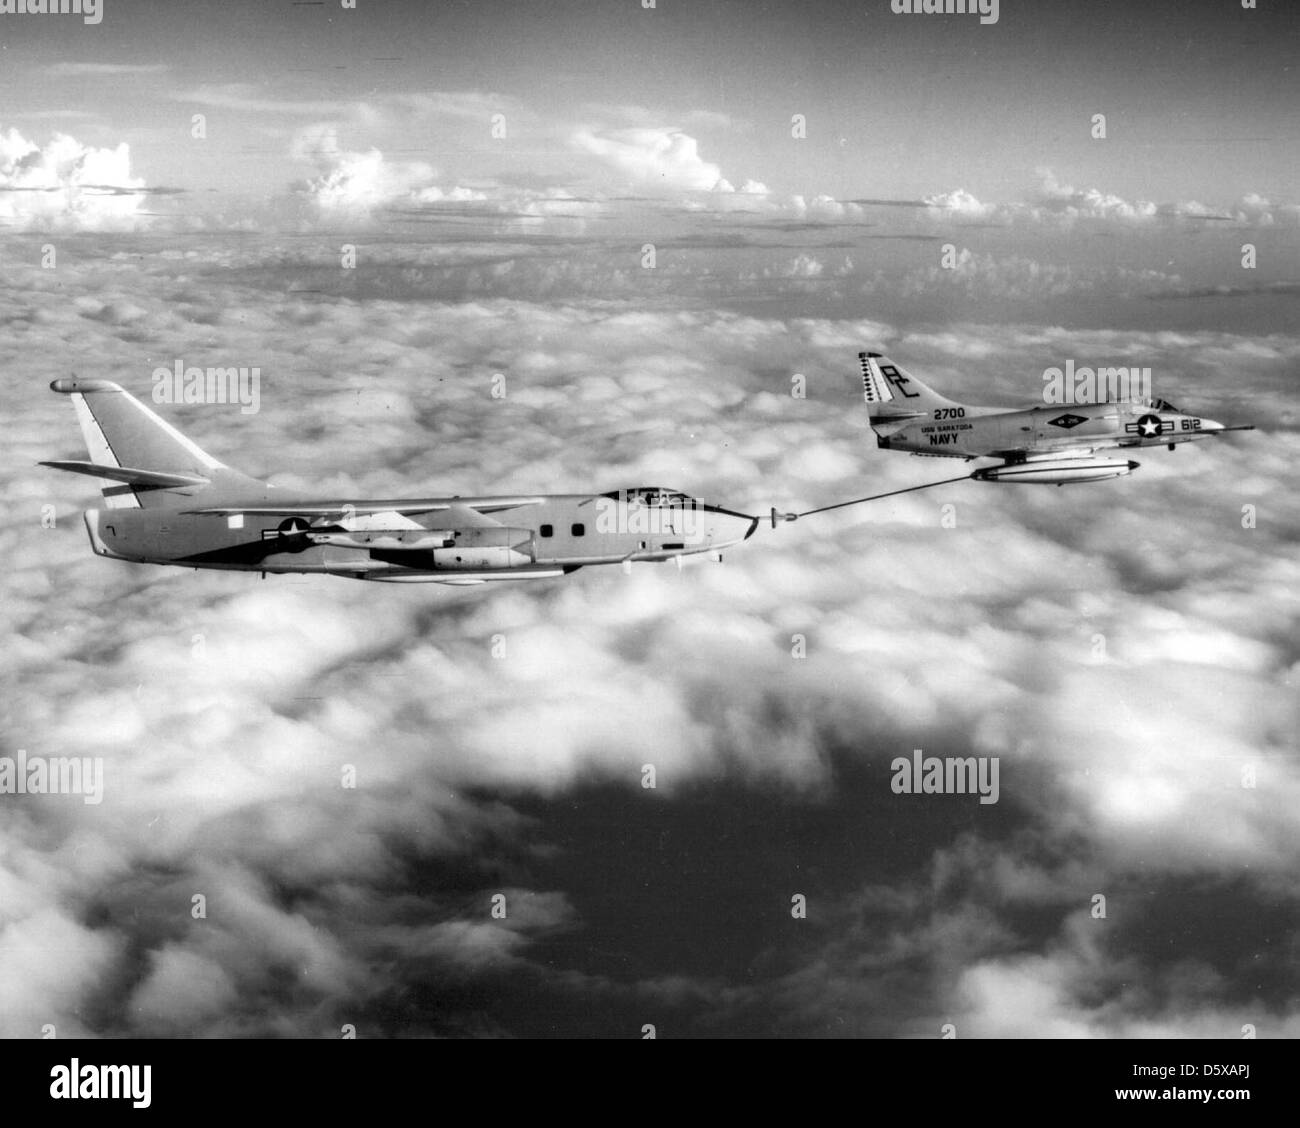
<point>727,527</point>
<point>1210,425</point>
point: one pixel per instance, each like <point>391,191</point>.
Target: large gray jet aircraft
<point>168,502</point>
<point>1040,444</point>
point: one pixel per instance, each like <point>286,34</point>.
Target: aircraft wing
<point>470,517</point>
<point>1181,436</point>
<point>1064,450</point>
<point>472,509</point>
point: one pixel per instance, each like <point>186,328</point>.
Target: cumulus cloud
<point>961,202</point>
<point>67,185</point>
<point>1254,208</point>
<point>656,157</point>
<point>1056,202</point>
<point>356,183</point>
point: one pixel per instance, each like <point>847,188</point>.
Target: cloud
<point>498,735</point>
<point>1258,289</point>
<point>654,157</point>
<point>356,183</point>
<point>1003,277</point>
<point>961,202</point>
<point>66,185</point>
<point>1055,202</point>
<point>1060,199</point>
<point>249,97</point>
<point>78,70</point>
<point>1254,208</point>
<point>471,105</point>
<point>647,117</point>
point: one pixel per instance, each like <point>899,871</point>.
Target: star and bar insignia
<point>1148,427</point>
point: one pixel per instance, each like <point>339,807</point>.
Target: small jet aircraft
<point>169,502</point>
<point>1041,444</point>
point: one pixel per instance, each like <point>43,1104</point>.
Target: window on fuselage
<point>548,530</point>
<point>579,530</point>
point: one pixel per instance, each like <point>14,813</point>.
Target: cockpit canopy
<point>1163,405</point>
<point>652,496</point>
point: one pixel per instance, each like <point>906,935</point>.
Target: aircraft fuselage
<point>974,432</point>
<point>452,541</point>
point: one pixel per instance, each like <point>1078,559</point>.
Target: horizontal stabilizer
<point>144,479</point>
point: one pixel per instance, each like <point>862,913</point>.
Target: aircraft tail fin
<point>893,395</point>
<point>141,460</point>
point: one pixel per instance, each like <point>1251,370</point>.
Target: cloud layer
<point>1126,650</point>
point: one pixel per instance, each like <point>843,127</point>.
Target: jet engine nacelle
<point>392,539</point>
<point>487,548</point>
<point>1057,471</point>
<point>455,550</point>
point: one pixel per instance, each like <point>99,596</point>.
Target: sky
<point>384,209</point>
